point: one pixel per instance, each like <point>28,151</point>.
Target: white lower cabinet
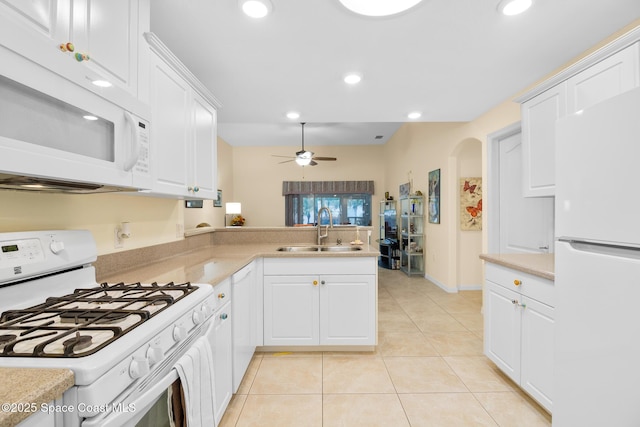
<point>519,329</point>
<point>222,350</point>
<point>320,309</point>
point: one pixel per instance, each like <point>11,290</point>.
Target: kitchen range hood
<point>47,185</point>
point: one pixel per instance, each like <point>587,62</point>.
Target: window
<point>303,200</point>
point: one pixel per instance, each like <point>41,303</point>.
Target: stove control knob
<point>206,310</point>
<point>154,354</point>
<point>139,367</point>
<point>197,317</point>
<point>56,247</point>
<point>179,333</point>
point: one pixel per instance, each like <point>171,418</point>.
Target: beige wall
<point>258,176</point>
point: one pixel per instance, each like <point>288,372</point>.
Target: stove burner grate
<point>111,310</point>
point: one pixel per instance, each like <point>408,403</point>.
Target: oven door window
<point>167,410</point>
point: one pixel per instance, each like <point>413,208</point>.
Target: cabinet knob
<point>224,316</point>
<point>221,296</point>
<point>322,282</point>
<point>67,47</point>
<point>196,189</point>
<point>81,57</point>
<point>517,282</point>
<point>315,283</point>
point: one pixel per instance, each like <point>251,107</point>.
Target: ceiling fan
<point>304,157</point>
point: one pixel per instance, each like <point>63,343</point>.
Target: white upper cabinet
<point>184,131</point>
<point>107,33</point>
<point>608,72</point>
<point>606,79</point>
<point>539,117</point>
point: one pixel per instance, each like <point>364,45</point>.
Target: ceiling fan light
<point>303,161</point>
<point>256,8</point>
<point>414,115</point>
<point>378,7</point>
<point>293,115</point>
<point>514,7</point>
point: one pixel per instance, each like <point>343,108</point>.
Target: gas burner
<point>95,316</point>
<point>77,343</point>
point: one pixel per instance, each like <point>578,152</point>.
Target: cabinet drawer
<point>529,285</point>
<point>329,265</point>
<point>223,293</point>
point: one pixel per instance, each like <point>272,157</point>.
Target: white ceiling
<point>450,59</point>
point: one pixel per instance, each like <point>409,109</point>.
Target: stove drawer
<point>223,293</point>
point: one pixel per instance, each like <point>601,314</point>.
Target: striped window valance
<point>326,187</point>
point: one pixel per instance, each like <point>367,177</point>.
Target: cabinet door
<point>222,359</point>
<point>44,16</point>
<point>204,161</point>
<point>244,303</point>
<point>606,79</point>
<point>291,310</point>
<point>347,310</point>
<point>502,329</point>
<point>539,117</point>
<point>536,375</point>
<point>171,103</point>
<point>108,32</point>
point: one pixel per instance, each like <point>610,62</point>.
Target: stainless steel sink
<point>319,248</point>
<point>340,248</point>
<point>299,249</point>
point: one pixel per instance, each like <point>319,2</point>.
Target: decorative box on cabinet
<point>412,234</point>
<point>320,301</point>
<point>184,149</point>
<point>610,71</point>
<point>519,329</point>
<point>389,248</point>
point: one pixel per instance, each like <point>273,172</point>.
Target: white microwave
<point>54,130</point>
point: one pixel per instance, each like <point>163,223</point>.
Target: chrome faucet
<point>326,231</point>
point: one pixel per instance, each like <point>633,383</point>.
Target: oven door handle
<point>129,411</point>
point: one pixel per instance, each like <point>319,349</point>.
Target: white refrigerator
<point>597,255</point>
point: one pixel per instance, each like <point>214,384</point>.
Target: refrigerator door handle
<point>603,248</point>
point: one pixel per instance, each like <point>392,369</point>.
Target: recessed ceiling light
<point>90,117</point>
<point>414,115</point>
<point>256,8</point>
<point>102,83</point>
<point>352,78</point>
<point>378,7</point>
<point>293,115</point>
<point>514,7</point>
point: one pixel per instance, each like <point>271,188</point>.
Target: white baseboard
<point>452,290</point>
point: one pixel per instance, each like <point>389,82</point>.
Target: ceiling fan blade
<point>312,163</point>
<point>325,158</point>
<point>286,161</point>
<point>287,157</point>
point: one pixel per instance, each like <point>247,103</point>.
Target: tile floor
<point>428,370</point>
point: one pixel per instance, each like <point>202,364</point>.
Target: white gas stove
<point>118,339</point>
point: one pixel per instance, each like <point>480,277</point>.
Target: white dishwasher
<point>244,325</point>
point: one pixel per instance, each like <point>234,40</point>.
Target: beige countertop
<point>213,264</point>
<point>24,389</point>
<point>541,265</point>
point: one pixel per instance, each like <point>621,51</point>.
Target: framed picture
<point>434,196</point>
<point>470,204</point>
<point>217,203</point>
<point>193,203</point>
<point>404,189</point>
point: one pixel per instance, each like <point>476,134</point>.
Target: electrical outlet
<point>117,240</point>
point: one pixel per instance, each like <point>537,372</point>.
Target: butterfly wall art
<point>470,204</point>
